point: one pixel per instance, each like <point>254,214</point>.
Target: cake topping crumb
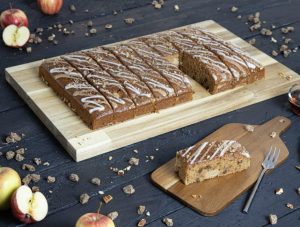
<point>84,198</point>
<point>27,179</point>
<point>108,26</point>
<point>141,209</point>
<point>110,158</point>
<point>148,213</point>
<point>298,190</point>
<point>113,215</point>
<point>129,20</point>
<point>176,8</point>
<point>142,222</point>
<point>273,219</point>
<point>273,134</point>
<point>20,151</point>
<point>252,41</point>
<point>274,53</point>
<point>35,177</point>
<point>74,177</point>
<point>129,189</point>
<point>134,161</point>
<point>168,221</point>
<point>13,137</point>
<point>35,189</point>
<point>279,191</point>
<point>19,157</point>
<point>107,198</point>
<point>249,128</point>
<point>289,205</point>
<point>10,155</point>
<point>234,9</point>
<point>101,192</point>
<point>28,167</point>
<point>96,181</point>
<point>51,179</point>
<point>297,167</point>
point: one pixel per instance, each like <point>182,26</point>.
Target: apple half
<point>14,36</point>
<point>27,206</point>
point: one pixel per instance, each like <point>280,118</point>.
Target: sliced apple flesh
<point>27,206</point>
<point>14,36</point>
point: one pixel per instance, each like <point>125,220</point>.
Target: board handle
<point>278,124</point>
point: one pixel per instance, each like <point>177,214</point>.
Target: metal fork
<point>269,163</point>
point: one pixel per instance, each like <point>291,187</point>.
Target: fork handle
<point>249,201</point>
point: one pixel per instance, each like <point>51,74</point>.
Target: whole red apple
<point>13,16</point>
<point>94,220</point>
<point>9,182</point>
<point>27,206</point>
<point>50,7</point>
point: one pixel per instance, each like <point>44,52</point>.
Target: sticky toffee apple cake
<point>107,85</point>
<point>211,159</point>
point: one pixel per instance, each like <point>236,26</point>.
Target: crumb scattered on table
<point>129,189</point>
<point>113,215</point>
<point>168,221</point>
<point>273,219</point>
<point>84,198</point>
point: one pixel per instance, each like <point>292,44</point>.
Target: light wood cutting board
<point>82,143</point>
<point>211,196</point>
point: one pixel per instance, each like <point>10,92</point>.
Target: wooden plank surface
<point>82,143</point>
<point>212,196</point>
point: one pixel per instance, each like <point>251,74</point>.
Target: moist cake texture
<point>211,159</point>
<point>107,85</point>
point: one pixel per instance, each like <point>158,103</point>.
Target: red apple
<point>14,36</point>
<point>27,206</point>
<point>50,7</point>
<point>94,220</point>
<point>9,182</point>
<point>13,16</point>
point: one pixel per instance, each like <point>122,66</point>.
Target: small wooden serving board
<point>211,196</point>
<point>82,143</point>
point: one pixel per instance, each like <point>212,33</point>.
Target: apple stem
<point>99,208</point>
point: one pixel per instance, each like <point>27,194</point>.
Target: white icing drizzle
<point>197,153</point>
<point>64,72</point>
<point>76,85</point>
<point>187,151</point>
<point>136,90</point>
<point>89,100</point>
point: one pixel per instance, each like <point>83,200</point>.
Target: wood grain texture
<point>212,196</point>
<point>82,143</point>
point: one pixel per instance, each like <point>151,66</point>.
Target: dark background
<point>64,207</point>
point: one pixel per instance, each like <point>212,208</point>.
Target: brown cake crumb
<point>84,198</point>
<point>96,181</point>
<point>10,155</point>
<point>107,198</point>
<point>113,215</point>
<point>273,134</point>
<point>129,189</point>
<point>274,53</point>
<point>35,189</point>
<point>51,179</point>
<point>37,161</point>
<point>35,177</point>
<point>249,128</point>
<point>20,151</point>
<point>74,177</point>
<point>72,8</point>
<point>273,219</point>
<point>27,179</point>
<point>28,167</point>
<point>13,137</point>
<point>19,157</point>
<point>129,20</point>
<point>289,205</point>
<point>233,9</point>
<point>279,191</point>
<point>168,221</point>
<point>141,209</point>
<point>252,41</point>
<point>142,223</point>
<point>134,161</point>
<point>108,26</point>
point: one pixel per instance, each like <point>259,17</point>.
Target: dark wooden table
<point>64,206</point>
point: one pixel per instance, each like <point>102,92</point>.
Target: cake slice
<point>163,92</point>
<point>178,80</point>
<point>256,69</point>
<point>137,89</point>
<point>77,93</point>
<point>201,64</point>
<point>233,61</point>
<point>211,159</point>
<point>114,92</point>
<point>163,47</point>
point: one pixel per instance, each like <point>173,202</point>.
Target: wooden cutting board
<point>82,143</point>
<point>212,196</point>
